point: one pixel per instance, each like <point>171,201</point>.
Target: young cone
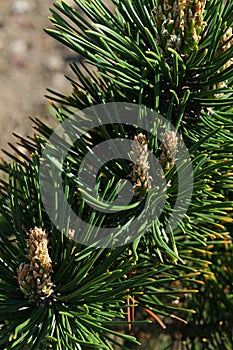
<point>34,278</point>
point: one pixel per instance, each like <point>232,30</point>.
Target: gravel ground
<point>30,62</point>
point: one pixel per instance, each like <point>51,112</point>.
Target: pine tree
<point>172,57</point>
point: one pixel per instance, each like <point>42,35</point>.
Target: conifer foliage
<point>174,57</point>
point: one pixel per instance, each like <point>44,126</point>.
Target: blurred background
<point>30,62</point>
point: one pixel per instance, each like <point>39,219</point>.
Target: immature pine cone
<point>34,277</point>
<point>168,150</point>
<point>140,175</point>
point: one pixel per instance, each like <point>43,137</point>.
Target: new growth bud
<point>34,277</point>
<point>179,24</point>
<point>224,45</point>
<point>140,175</point>
<point>168,150</point>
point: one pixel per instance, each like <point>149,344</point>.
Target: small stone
<point>54,63</point>
<point>58,81</point>
<point>18,47</point>
<point>20,7</point>
<point>18,53</point>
